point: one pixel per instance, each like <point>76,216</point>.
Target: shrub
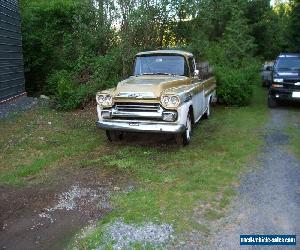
<point>67,93</point>
<point>235,77</point>
<point>107,69</point>
<point>235,86</point>
<point>58,34</point>
<point>70,89</point>
<point>232,59</point>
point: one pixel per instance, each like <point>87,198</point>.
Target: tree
<point>259,15</point>
<point>56,33</point>
<point>294,27</point>
<point>237,41</point>
<point>74,47</point>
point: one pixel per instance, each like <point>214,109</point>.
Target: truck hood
<point>148,87</point>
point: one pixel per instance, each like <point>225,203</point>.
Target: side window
<point>192,65</point>
<point>186,68</point>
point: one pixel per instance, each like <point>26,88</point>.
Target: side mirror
<point>269,68</point>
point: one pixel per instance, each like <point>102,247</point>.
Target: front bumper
<point>283,94</point>
<point>140,126</point>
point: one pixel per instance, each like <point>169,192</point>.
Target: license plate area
<point>296,95</point>
<point>134,124</point>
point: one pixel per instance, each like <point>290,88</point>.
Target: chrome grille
<point>137,107</point>
<point>291,80</point>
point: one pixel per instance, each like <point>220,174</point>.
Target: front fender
<point>184,93</point>
<point>183,111</point>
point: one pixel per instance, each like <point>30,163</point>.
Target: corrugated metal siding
<point>12,82</point>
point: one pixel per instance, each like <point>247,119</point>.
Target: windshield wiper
<point>163,73</point>
<point>144,74</point>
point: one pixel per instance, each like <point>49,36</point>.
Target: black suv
<point>285,83</point>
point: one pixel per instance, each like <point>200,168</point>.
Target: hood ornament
<point>136,95</point>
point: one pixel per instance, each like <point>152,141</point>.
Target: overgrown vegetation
<point>74,48</point>
<point>34,142</point>
<point>172,180</point>
<point>39,145</point>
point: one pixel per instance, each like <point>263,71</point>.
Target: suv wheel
<point>114,135</point>
<point>272,103</point>
<point>185,137</point>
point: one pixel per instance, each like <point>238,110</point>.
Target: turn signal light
<point>277,85</point>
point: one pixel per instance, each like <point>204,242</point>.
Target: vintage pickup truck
<point>166,94</point>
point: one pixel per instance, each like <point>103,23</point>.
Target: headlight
<point>104,100</point>
<point>170,101</point>
<point>278,80</point>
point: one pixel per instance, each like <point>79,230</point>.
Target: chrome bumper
<point>140,126</point>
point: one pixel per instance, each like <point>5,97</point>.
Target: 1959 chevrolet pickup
<point>166,94</point>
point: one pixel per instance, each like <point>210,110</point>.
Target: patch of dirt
<point>48,216</point>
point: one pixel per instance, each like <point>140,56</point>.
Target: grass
<point>39,140</point>
<point>295,142</point>
<point>294,130</point>
<point>171,181</point>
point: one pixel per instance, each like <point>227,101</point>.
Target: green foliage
<point>172,181</point>
<point>293,130</point>
<point>235,76</point>
<point>72,89</point>
<point>68,94</point>
<point>74,48</point>
<point>267,27</point>
<point>232,58</point>
<point>40,147</point>
<point>236,71</point>
<point>55,34</point>
<point>295,27</point>
<point>236,84</point>
<point>236,39</point>
<point>114,65</point>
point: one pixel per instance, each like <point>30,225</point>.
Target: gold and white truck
<point>165,94</point>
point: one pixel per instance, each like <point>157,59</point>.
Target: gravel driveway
<point>268,200</point>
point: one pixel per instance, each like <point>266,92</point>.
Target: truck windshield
<point>160,65</point>
<point>288,64</point>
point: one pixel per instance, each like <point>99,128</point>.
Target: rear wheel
<point>272,103</point>
<point>114,135</point>
<point>185,137</point>
<point>207,114</point>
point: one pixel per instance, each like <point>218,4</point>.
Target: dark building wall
<point>12,82</point>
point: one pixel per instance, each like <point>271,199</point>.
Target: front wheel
<point>114,135</point>
<point>185,137</point>
<point>207,113</point>
<point>272,103</point>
